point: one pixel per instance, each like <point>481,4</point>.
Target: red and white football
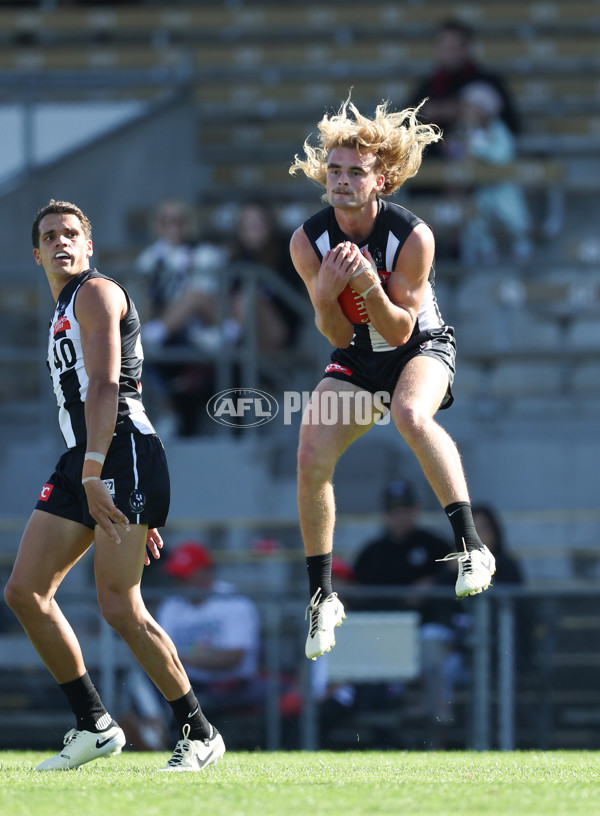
<point>353,306</point>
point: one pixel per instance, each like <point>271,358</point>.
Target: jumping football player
<point>368,266</point>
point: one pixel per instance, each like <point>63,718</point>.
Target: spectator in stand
<point>405,555</point>
<point>181,285</point>
<point>484,137</point>
<point>456,66</point>
<point>259,241</point>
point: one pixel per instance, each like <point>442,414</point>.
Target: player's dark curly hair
<point>54,206</point>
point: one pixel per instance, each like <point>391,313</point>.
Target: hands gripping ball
<point>353,306</point>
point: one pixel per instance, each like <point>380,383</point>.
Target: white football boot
<point>195,755</point>
<point>475,570</point>
<point>324,616</point>
<point>84,746</point>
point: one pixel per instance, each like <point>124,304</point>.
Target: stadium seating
<point>260,76</point>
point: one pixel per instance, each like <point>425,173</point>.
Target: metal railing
<point>490,694</point>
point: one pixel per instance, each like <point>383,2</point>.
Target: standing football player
<point>110,488</point>
<point>368,267</point>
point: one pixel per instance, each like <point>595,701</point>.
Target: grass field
<point>291,784</point>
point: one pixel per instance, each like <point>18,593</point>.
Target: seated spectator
<point>455,66</point>
<point>405,555</point>
<point>499,206</point>
<point>181,294</point>
<point>259,241</point>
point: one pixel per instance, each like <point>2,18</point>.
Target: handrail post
<point>480,739</point>
<point>506,674</point>
<point>272,710</point>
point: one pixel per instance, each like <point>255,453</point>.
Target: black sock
<point>319,574</point>
<point>187,711</point>
<point>463,526</point>
<point>86,704</point>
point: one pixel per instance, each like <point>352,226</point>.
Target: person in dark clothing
<point>405,554</point>
<point>455,67</point>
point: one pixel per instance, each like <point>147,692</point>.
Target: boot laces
<point>313,610</point>
<point>183,748</point>
<point>465,562</point>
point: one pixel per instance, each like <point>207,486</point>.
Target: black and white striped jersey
<point>392,227</point>
<point>70,379</point>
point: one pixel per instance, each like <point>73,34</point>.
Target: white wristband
<point>358,272</point>
<point>366,292</point>
<point>91,479</point>
<point>97,457</point>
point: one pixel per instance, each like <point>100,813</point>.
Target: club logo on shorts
<point>45,493</point>
<point>137,501</point>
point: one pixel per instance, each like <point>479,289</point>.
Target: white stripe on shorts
<point>135,470</point>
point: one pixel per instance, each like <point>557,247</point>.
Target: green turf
<point>290,784</point>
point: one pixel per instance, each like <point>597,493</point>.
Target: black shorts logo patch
<point>137,501</point>
<point>110,483</point>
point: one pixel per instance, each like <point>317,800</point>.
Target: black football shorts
<point>377,371</point>
<point>135,472</point>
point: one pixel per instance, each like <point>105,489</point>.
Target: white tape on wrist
<point>358,272</point>
<point>366,292</point>
<point>96,457</point>
<point>91,479</point>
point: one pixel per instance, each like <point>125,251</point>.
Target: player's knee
<point>312,464</point>
<point>10,595</point>
<point>116,610</point>
<point>409,419</point>
<point>18,597</point>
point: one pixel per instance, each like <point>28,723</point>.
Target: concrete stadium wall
<point>134,167</point>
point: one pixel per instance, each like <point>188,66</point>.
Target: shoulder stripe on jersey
<point>391,251</point>
<point>323,243</point>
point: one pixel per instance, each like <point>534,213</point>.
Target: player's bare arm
<point>100,305</point>
<point>324,282</point>
<point>394,314</point>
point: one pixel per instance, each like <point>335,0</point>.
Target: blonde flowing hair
<point>396,139</point>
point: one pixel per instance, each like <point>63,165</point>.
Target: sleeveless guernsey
<point>392,227</point>
<point>70,379</point>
